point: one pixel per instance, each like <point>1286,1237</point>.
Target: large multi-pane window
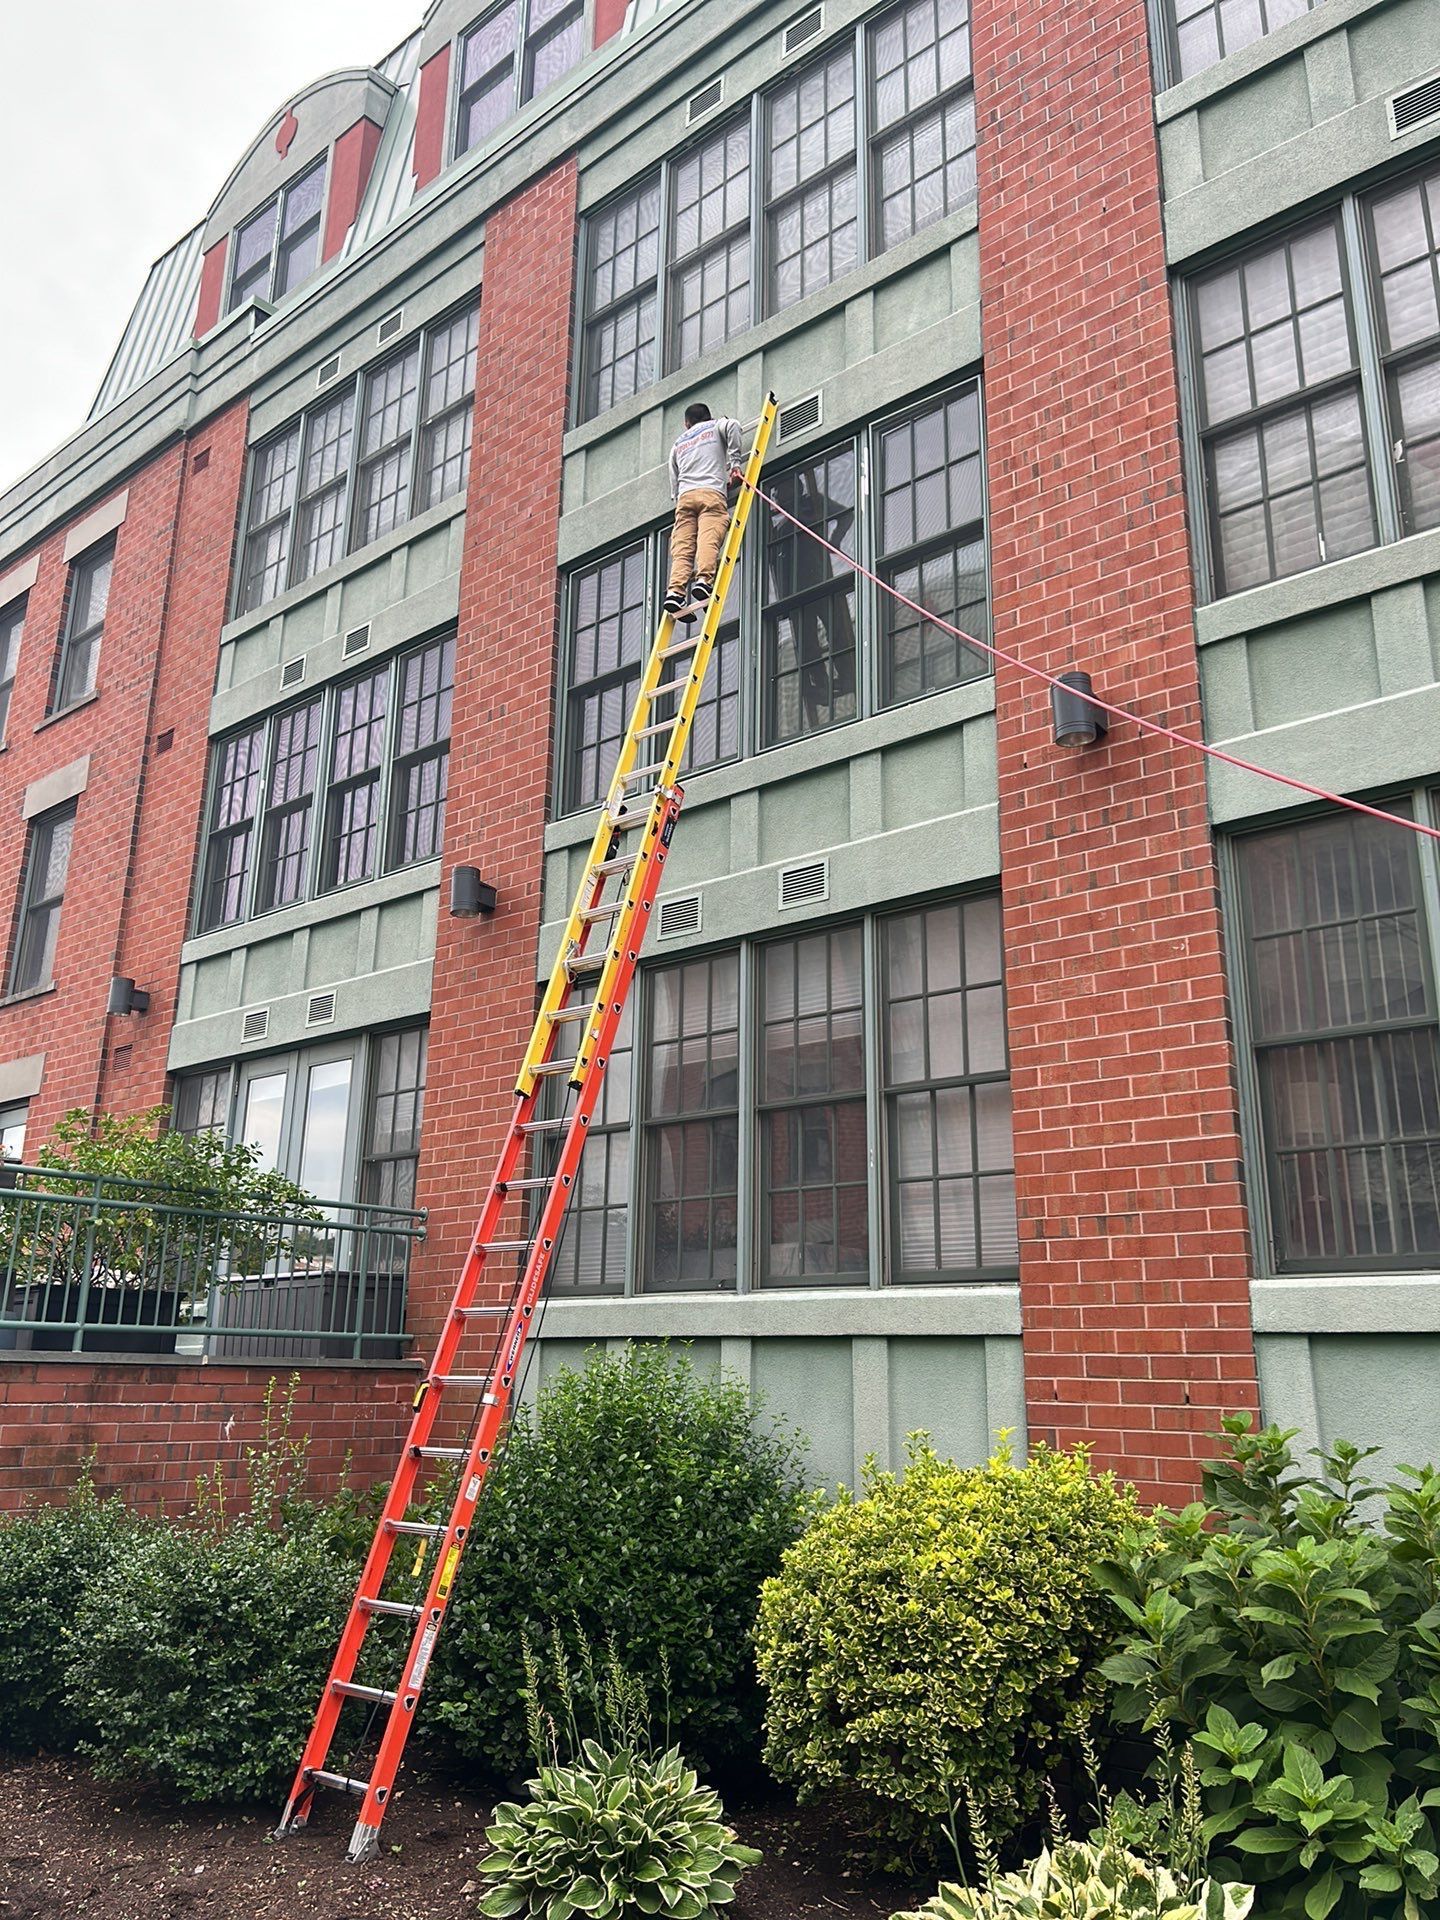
<point>362,462</point>
<point>383,741</point>
<point>12,630</point>
<point>692,1124</point>
<point>202,1102</point>
<point>591,1255</point>
<point>787,659</point>
<point>774,205</point>
<point>1204,31</point>
<point>1342,1014</point>
<point>512,53</point>
<point>1289,362</point>
<point>1405,251</point>
<point>947,1092</point>
<point>279,245</point>
<point>42,894</point>
<point>396,1110</point>
<point>87,596</point>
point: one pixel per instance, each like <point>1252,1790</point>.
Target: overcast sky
<point>122,118</point>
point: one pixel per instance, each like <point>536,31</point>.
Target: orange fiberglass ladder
<point>632,840</point>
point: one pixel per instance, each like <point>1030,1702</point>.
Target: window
<point>701,249</point>
<point>1284,443</point>
<point>932,546</point>
<point>1346,1049</point>
<point>290,798</point>
<point>1206,30</point>
<point>386,750</point>
<point>710,244</point>
<point>12,628</point>
<point>547,35</point>
<point>279,246</point>
<point>692,1136</point>
<point>396,1110</point>
<point>87,595</point>
<point>591,1256</point>
<point>411,451</point>
<point>623,255</point>
<point>813,1132</point>
<point>947,1093</point>
<point>1404,234</point>
<point>234,801</point>
<point>609,634</point>
<point>809,627</point>
<point>923,112</point>
<point>47,862</point>
<point>12,1130</point>
<point>202,1103</point>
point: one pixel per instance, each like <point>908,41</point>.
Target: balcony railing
<point>97,1264</point>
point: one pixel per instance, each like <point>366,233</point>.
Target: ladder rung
<point>463,1380</point>
<point>320,1778</point>
<point>550,1069</point>
<point>586,962</point>
<point>647,772</point>
<point>505,1246</point>
<point>573,1013</point>
<point>660,726</point>
<point>530,1183</point>
<point>400,1609</point>
<point>607,910</point>
<point>482,1313</point>
<point>427,1529</point>
<point>442,1453</point>
<point>622,863</point>
<point>680,646</point>
<point>671,686</point>
<point>382,1696</point>
<point>545,1126</point>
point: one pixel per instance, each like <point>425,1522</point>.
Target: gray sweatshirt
<point>704,455</point>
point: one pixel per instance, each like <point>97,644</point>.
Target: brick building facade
<point>972,1082</point>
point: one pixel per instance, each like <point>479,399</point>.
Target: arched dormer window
<point>278,247</point>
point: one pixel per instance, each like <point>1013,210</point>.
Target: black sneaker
<point>699,592</point>
<point>673,602</point>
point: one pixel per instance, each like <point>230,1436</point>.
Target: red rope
<point>1094,700</point>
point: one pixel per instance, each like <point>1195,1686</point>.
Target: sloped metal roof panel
<point>160,325</point>
<point>391,186</point>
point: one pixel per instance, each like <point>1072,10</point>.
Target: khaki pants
<point>701,518</point>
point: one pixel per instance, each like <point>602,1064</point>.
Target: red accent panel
<point>1134,1241</point>
<point>609,18</point>
<point>212,287</point>
<point>351,159</point>
<point>429,155</point>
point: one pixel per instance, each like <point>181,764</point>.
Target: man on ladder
<point>703,460</point>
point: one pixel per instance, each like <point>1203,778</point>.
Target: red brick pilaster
<point>212,287</point>
<point>484,995</point>
<point>350,162</point>
<point>428,154</point>
<point>1134,1252</point>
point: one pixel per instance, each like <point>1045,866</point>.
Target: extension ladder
<point>629,849</point>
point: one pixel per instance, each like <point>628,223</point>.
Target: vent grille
<point>356,641</point>
<point>679,916</point>
<point>800,32</point>
<point>328,370</point>
<point>293,671</point>
<point>801,885</point>
<point>799,417</point>
<point>705,101</point>
<point>320,1009</point>
<point>1416,107</point>
<point>256,1024</point>
<point>390,326</point>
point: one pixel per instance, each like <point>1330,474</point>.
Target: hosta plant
<point>617,1836</point>
<point>1078,1882</point>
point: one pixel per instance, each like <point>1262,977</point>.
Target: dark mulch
<point>72,1846</point>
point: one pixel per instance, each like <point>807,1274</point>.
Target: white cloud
<point>122,119</point>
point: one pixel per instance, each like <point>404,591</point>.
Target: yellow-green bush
<point>941,1632</point>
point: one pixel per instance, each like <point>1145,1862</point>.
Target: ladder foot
<point>364,1843</point>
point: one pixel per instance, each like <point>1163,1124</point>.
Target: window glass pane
<point>591,1256</point>
<point>555,48</point>
<point>422,764</point>
<point>692,1133</point>
<point>46,870</point>
<point>1415,412</point>
<point>264,1110</point>
<point>609,633</point>
<point>274,470</point>
<point>924,110</point>
<point>235,797</point>
<point>299,249</point>
<point>449,405</point>
<point>322,1146</point>
<point>811,228</point>
<point>320,539</point>
<point>487,77</point>
<point>353,806</point>
<point>12,1130</point>
<point>397,1108</point>
<point>89,595</point>
<point>286,840</point>
<point>623,251</point>
<point>1274,326</point>
<point>710,243</point>
<point>809,619</point>
<point>12,628</point>
<point>250,268</point>
<point>1207,30</point>
<point>383,481</point>
<point>202,1103</point>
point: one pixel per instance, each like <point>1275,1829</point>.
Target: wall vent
<point>293,671</point>
<point>256,1024</point>
<point>799,417</point>
<point>1416,107</point>
<point>705,101</point>
<point>390,326</point>
<point>679,916</point>
<point>801,885</point>
<point>328,370</point>
<point>800,32</point>
<point>320,1009</point>
<point>356,641</point>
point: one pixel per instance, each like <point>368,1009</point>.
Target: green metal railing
<point>92,1263</point>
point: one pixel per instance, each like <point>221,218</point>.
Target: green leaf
<point>1323,1894</point>
<point>501,1902</point>
<point>1263,1840</point>
<point>1357,1728</point>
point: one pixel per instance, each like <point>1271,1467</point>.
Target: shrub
<point>618,1835</point>
<point>49,1556</point>
<point>643,1507</point>
<point>1079,1882</point>
<point>198,1656</point>
<point>942,1629</point>
<point>1298,1646</point>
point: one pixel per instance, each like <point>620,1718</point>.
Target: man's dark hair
<point>696,412</point>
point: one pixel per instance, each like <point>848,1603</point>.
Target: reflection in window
<point>12,629</point>
<point>692,1140</point>
<point>322,1142</point>
<point>397,1109</point>
<point>923,112</point>
<point>264,1112</point>
<point>1405,263</point>
<point>1206,30</point>
<point>609,632</point>
<point>12,1129</point>
<point>811,230</point>
<point>285,835</point>
<point>202,1103</point>
<point>352,804</point>
<point>422,752</point>
<point>278,247</point>
<point>809,624</point>
<point>47,868</point>
<point>710,243</point>
<point>1343,1024</point>
<point>622,263</point>
<point>87,597</point>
